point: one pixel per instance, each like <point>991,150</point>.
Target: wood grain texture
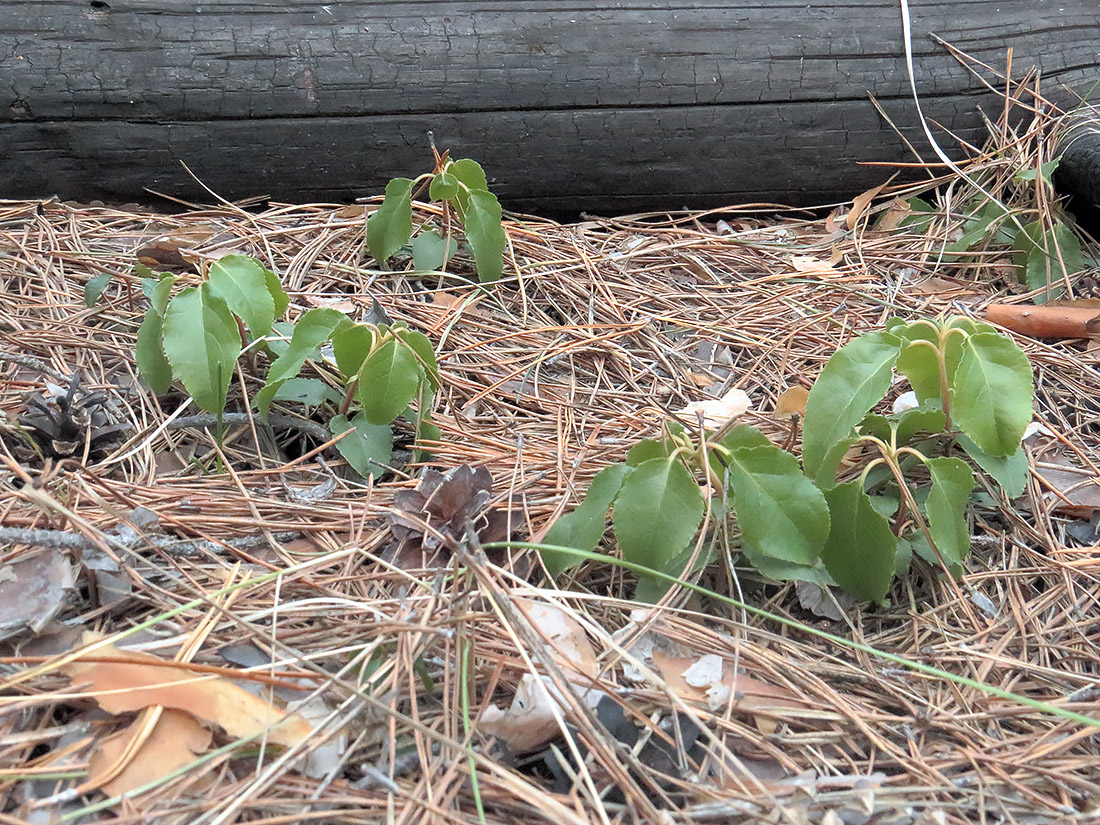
<point>570,105</point>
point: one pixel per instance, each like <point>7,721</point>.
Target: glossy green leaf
<point>388,381</point>
<point>149,353</point>
<point>952,483</point>
<point>310,391</point>
<point>350,347</point>
<point>240,282</point>
<point>313,329</point>
<point>923,419</point>
<point>278,340</point>
<point>855,379</point>
<point>860,553</point>
<point>485,234</point>
<point>422,346</point>
<point>656,514</point>
<point>470,173</point>
<point>1010,472</point>
<point>430,250</point>
<point>991,393</point>
<point>443,187</point>
<point>919,362</point>
<point>93,289</point>
<point>279,299</point>
<point>202,343</point>
<point>390,227</point>
<point>584,527</point>
<point>160,292</point>
<point>780,512</point>
<point>646,449</point>
<point>369,447</point>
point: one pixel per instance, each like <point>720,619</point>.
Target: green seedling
<point>907,491</point>
<point>462,189</point>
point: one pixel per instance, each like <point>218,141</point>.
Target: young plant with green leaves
<point>1043,246</point>
<point>907,492</point>
<point>197,336</point>
<point>387,371</point>
<point>463,190</point>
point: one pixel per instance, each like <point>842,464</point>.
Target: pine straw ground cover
<point>281,572</point>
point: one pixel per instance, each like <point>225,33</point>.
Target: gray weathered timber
<point>569,105</point>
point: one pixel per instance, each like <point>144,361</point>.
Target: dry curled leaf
<point>717,412</point>
<point>175,741</point>
<point>530,721</point>
<point>142,680</point>
<point>33,591</point>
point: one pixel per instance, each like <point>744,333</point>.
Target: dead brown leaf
<point>142,681</point>
<point>1072,490</point>
<point>860,204</point>
<point>33,591</point>
<point>792,401</point>
<point>174,742</point>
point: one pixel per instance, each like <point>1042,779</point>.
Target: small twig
<point>187,548</point>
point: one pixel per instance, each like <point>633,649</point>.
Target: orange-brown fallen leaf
<point>860,204</point>
<point>143,682</point>
<point>1046,321</point>
<point>792,401</point>
<point>175,741</point>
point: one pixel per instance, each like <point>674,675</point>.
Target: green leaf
<point>1010,472</point>
<point>744,436</point>
<point>485,234</point>
<point>1047,257</point>
<point>1045,171</point>
<point>313,329</point>
<point>443,187</point>
<point>952,482</point>
<point>876,425</point>
<point>785,571</point>
<point>740,437</point>
<point>149,353</point>
<point>923,419</point>
<point>991,393</point>
<point>923,213</point>
<point>780,512</point>
<point>422,346</point>
<point>240,282</point>
<point>388,381</point>
<point>584,527</point>
<point>855,379</point>
<point>279,299</point>
<point>646,449</point>
<point>94,288</point>
<point>860,552</point>
<point>430,251</point>
<point>368,449</point>
<point>310,391</point>
<point>278,340</point>
<point>919,362</point>
<point>202,343</point>
<point>159,293</point>
<point>655,515</point>
<point>350,347</point>
<point>426,431</point>
<point>389,228</point>
<point>470,173</point>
